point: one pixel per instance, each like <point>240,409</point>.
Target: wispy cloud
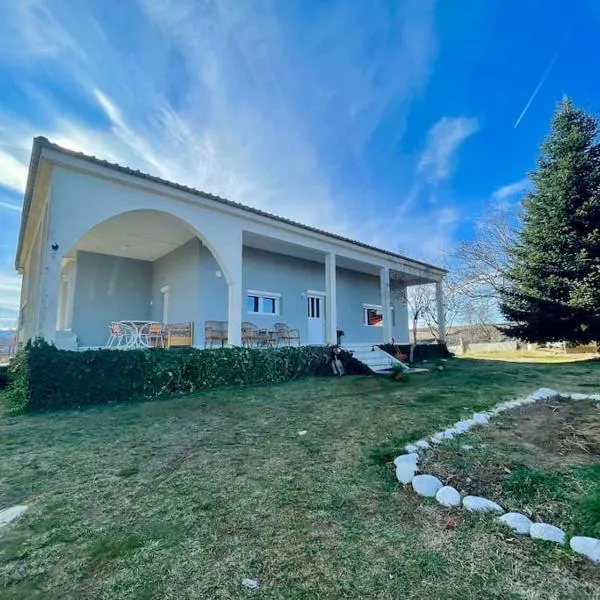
<point>443,142</point>
<point>512,189</point>
<point>237,98</point>
<point>8,206</point>
<point>13,173</point>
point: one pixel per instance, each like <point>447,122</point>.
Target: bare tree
<point>481,263</point>
<point>418,297</point>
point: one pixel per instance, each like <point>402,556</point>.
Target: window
<point>373,315</point>
<point>263,303</point>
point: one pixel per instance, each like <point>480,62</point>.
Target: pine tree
<point>553,289</point>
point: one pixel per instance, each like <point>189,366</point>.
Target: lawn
<point>185,498</point>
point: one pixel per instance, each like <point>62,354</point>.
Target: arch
<point>156,215</point>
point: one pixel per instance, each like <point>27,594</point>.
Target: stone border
<point>430,486</point>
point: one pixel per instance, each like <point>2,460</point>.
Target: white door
<point>316,319</point>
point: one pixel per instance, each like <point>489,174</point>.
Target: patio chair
<point>215,331</point>
<point>120,335</point>
<point>180,334</point>
<point>153,335</point>
<point>249,334</point>
<point>285,335</point>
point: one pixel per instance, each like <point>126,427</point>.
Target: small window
<point>373,315</point>
<point>263,303</point>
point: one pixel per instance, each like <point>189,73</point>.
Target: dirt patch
<point>550,436</point>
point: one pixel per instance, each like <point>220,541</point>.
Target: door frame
<point>319,295</point>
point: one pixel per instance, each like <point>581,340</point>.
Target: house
<point>100,242</point>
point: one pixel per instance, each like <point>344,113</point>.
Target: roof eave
<point>36,153</point>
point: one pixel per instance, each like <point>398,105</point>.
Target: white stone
<point>406,458</point>
<point>544,394</point>
<point>579,397</point>
<point>436,439</point>
<point>517,522</point>
<point>466,447</point>
<point>303,432</point>
<point>10,514</point>
<point>426,485</point>
<point>595,397</point>
<point>479,504</point>
<point>448,434</point>
<point>549,533</point>
<point>464,426</point>
<point>250,583</point>
<point>589,547</point>
<point>423,444</point>
<point>448,496</point>
<point>481,419</point>
<point>405,472</point>
<point>411,448</point>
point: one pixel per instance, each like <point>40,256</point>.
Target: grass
<point>187,497</point>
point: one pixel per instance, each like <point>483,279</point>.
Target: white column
<point>439,300</point>
<point>330,299</point>
<point>48,292</point>
<point>384,279</point>
<point>234,320</point>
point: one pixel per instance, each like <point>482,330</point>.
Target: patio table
<point>136,326</point>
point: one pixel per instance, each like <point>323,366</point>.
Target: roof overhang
<point>45,154</point>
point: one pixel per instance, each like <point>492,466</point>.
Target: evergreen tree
<point>553,278</point>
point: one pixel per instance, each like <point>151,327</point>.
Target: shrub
<point>421,352</point>
<point>45,378</point>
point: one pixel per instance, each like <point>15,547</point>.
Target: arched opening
<point>142,265</point>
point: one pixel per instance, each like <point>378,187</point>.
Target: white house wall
<point>180,271</point>
<point>108,288</point>
<point>80,201</point>
<point>291,277</point>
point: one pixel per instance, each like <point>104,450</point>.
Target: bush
<point>422,351</point>
<point>45,378</point>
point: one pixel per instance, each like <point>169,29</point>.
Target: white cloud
<point>512,189</point>
<point>10,293</point>
<point>444,140</point>
<point>13,173</point>
<point>225,97</point>
<point>8,206</point>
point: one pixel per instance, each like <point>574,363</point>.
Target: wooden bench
<point>179,334</point>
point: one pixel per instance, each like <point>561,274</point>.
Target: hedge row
<point>45,378</point>
<point>422,351</point>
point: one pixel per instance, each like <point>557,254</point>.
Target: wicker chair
<point>285,335</point>
<point>250,335</point>
<point>215,331</point>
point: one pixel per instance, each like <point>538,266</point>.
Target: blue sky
<point>389,121</point>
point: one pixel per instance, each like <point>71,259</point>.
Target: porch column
<point>330,299</point>
<point>48,291</point>
<point>439,300</point>
<point>234,320</point>
<point>386,309</point>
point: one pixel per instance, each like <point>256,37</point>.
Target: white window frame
<point>264,295</point>
<point>378,307</point>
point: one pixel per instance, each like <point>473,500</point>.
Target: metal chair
<point>286,335</point>
<point>152,335</point>
<point>120,336</point>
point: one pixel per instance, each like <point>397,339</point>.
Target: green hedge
<point>422,351</point>
<point>45,378</point>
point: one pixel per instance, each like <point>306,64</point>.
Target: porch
<point>149,266</point>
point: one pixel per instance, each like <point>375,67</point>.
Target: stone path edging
<point>428,485</point>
